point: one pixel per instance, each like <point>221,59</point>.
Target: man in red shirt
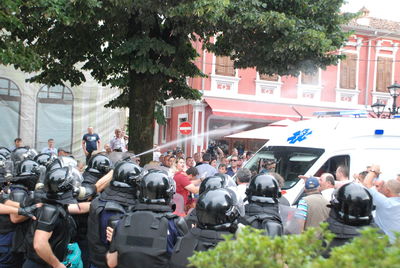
<point>184,186</point>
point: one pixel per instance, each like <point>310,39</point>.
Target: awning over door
<point>260,110</point>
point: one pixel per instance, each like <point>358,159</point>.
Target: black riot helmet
<point>54,165</point>
<point>127,174</point>
<point>352,204</point>
<point>27,174</point>
<point>99,164</point>
<point>263,188</point>
<point>44,159</point>
<point>156,188</point>
<point>58,181</point>
<point>5,152</point>
<point>211,183</point>
<point>217,210</point>
<point>19,154</point>
<point>27,168</point>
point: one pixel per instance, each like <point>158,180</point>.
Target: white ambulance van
<point>312,147</point>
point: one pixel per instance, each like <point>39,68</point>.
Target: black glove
<point>39,195</point>
<point>27,211</point>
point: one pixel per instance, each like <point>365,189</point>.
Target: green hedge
<point>251,249</point>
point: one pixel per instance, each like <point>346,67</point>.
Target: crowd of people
<point>57,212</point>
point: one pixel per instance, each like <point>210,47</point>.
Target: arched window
<point>54,117</point>
<point>10,105</point>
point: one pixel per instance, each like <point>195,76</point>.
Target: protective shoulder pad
<point>18,196</point>
<point>273,228</point>
<point>181,225</point>
<point>114,206</point>
<point>49,214</point>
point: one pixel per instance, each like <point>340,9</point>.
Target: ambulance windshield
<point>288,161</point>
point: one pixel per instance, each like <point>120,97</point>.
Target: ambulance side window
<point>332,164</point>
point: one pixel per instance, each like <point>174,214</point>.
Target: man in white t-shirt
<point>243,176</point>
<point>327,185</point>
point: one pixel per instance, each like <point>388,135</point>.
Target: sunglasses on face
<point>234,160</point>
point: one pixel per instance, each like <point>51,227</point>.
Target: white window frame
<point>346,92</point>
<point>384,95</point>
<point>275,86</point>
<point>217,79</point>
<point>311,89</point>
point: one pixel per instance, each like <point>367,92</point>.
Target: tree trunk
<point>142,101</point>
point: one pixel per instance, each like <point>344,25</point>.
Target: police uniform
<point>50,218</point>
<point>263,216</point>
<point>195,240</point>
<point>109,206</point>
<point>351,211</point>
<point>89,180</point>
<point>12,235</point>
<point>217,213</point>
<point>146,237</point>
<point>262,212</point>
<point>53,217</point>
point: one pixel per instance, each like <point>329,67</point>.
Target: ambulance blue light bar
<point>345,113</point>
<point>379,131</point>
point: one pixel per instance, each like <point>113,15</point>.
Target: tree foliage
<point>144,48</point>
<point>251,249</point>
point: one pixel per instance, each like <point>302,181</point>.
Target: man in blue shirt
<point>50,149</point>
<point>90,143</point>
<point>205,169</point>
<point>386,201</point>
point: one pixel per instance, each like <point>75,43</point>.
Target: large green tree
<point>144,48</point>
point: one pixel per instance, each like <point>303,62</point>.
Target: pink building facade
<point>236,100</point>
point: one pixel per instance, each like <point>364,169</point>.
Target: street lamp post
<point>378,108</point>
<point>394,91</point>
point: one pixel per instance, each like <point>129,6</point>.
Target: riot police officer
<point>209,183</point>
<point>152,227</point>
<point>109,207</point>
<point>13,227</point>
<point>351,210</point>
<point>44,159</point>
<point>48,237</point>
<point>99,165</point>
<point>262,211</point>
<point>217,215</point>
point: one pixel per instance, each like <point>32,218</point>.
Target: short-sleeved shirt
<point>48,150</point>
<point>91,141</point>
<point>59,236</point>
<point>387,215</point>
<point>206,170</point>
<point>182,180</point>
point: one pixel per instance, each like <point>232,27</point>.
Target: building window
<point>309,86</point>
<point>310,79</point>
<point>383,74</point>
<point>267,77</point>
<point>348,72</point>
<point>224,66</point>
<point>268,86</point>
<point>54,117</point>
<point>10,104</point>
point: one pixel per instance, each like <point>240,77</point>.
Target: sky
<point>384,9</point>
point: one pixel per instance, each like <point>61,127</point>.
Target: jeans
<point>31,264</point>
